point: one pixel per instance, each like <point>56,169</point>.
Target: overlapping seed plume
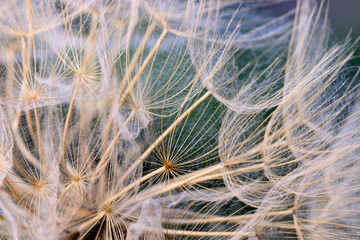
<point>157,119</point>
<point>283,161</point>
<point>247,76</point>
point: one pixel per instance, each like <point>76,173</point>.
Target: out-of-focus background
<point>344,17</point>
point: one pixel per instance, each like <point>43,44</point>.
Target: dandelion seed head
<point>175,120</point>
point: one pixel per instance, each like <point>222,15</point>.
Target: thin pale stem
<point>141,69</point>
<point>38,132</point>
<point>215,219</point>
<point>136,183</point>
<point>66,128</point>
<point>106,154</point>
<point>201,234</point>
